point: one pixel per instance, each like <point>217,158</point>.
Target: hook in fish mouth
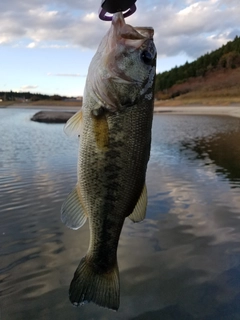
<point>103,13</point>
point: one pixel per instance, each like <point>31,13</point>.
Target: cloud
<point>195,28</point>
<point>190,27</point>
<point>28,87</point>
<point>31,45</point>
<point>66,75</point>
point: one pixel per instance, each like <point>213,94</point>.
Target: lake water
<point>181,263</point>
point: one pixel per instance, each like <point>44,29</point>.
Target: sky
<point>46,46</point>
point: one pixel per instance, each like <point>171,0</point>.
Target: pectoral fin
<point>72,212</point>
<point>73,126</point>
<point>139,211</point>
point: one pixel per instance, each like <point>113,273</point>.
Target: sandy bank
<point>43,105</point>
<point>233,111</point>
<point>64,108</point>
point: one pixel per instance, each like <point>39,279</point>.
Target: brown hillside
<point>219,86</point>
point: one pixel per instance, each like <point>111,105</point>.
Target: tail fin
<point>102,289</point>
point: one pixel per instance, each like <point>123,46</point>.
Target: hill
<point>36,99</point>
<point>211,79</point>
<point>28,96</point>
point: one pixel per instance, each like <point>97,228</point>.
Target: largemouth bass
<point>115,137</point>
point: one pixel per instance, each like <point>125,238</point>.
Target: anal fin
<point>72,212</point>
<point>139,211</point>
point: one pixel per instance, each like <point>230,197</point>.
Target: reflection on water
<point>182,262</point>
<point>223,150</point>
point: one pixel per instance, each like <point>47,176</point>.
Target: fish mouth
<point>127,32</point>
<point>135,38</point>
<point>147,32</point>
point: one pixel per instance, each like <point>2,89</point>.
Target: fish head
<point>125,64</point>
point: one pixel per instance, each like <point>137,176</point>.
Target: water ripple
<point>182,261</point>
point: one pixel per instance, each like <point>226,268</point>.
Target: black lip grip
<point>112,6</point>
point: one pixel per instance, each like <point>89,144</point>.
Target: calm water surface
<point>182,262</point>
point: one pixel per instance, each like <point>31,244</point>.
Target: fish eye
<point>146,57</point>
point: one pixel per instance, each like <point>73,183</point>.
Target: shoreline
<point>49,107</point>
<point>230,110</point>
